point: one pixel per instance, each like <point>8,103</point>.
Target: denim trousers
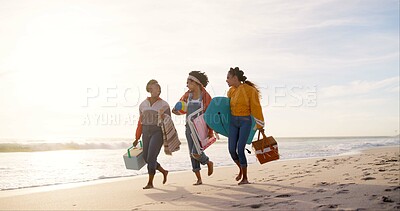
<point>152,143</point>
<point>239,131</point>
<point>203,159</point>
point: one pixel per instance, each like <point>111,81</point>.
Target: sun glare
<point>56,54</point>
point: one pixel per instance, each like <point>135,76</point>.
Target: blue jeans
<point>239,131</point>
<point>203,159</point>
<point>152,143</point>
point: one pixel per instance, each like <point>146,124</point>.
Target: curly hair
<point>201,76</point>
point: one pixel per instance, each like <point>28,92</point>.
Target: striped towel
<point>170,136</point>
<point>202,132</point>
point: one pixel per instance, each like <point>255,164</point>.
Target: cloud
<point>360,87</point>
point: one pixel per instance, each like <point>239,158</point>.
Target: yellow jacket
<point>245,102</point>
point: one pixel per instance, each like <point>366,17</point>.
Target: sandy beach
<point>365,181</point>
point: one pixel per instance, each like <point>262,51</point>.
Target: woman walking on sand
<point>196,98</point>
<point>244,101</point>
<point>150,131</point>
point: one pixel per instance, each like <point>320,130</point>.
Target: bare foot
<point>244,181</point>
<point>148,186</point>
<point>199,182</point>
<point>210,166</point>
<point>165,177</point>
<point>239,176</point>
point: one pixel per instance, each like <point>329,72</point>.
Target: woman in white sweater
<point>150,131</point>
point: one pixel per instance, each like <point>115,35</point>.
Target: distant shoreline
<point>221,137</point>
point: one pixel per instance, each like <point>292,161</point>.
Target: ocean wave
<point>37,147</point>
<point>321,144</point>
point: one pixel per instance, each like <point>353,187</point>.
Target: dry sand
<point>366,181</point>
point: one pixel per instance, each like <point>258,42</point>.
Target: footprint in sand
<point>368,178</point>
<point>342,191</point>
<point>324,183</point>
<point>380,163</point>
<point>345,185</point>
<point>329,206</point>
<point>387,199</point>
<point>256,206</point>
<point>257,196</point>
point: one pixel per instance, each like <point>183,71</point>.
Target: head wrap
<point>194,79</point>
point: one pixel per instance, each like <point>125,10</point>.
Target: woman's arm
<point>206,101</point>
<point>256,109</point>
<point>138,131</point>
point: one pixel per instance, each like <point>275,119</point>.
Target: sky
<point>79,68</point>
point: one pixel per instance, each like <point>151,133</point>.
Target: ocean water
<point>36,163</point>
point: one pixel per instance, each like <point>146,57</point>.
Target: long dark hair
<point>240,75</point>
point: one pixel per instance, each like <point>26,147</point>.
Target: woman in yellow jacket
<point>244,101</point>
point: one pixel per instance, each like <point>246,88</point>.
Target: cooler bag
<point>133,158</point>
